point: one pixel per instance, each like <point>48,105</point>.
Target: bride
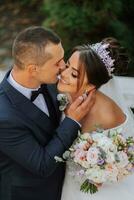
<point>90,67</point>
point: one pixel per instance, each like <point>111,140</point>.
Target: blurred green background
<point>76,22</point>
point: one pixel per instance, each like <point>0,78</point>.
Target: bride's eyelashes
<point>73,74</point>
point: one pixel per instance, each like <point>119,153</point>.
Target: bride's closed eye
<point>74,72</point>
<point>74,76</point>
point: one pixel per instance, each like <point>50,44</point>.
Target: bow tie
<point>51,108</point>
<point>41,90</point>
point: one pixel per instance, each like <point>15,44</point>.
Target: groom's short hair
<point>29,46</point>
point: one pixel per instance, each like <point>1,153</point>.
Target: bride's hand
<point>81,106</point>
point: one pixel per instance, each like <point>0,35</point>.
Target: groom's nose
<point>62,66</point>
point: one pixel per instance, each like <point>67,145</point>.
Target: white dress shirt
<point>39,101</point>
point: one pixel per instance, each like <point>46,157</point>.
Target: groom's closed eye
<point>58,62</point>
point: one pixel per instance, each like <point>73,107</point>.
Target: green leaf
<point>87,186</point>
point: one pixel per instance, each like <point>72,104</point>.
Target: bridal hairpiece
<point>101,50</point>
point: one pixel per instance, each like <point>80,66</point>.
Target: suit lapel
<point>26,107</point>
<point>53,92</point>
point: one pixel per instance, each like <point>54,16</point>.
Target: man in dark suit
<point>30,130</point>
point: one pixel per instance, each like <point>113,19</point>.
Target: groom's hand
<point>81,107</point>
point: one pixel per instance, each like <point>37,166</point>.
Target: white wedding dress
<point>123,190</point>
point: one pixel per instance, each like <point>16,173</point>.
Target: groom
<point>31,133</point>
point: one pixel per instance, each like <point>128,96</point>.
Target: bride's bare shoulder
<point>111,114</point>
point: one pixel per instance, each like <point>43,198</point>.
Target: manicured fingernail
<point>81,98</point>
<point>84,96</point>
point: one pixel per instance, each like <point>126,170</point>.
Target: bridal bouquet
<point>99,158</point>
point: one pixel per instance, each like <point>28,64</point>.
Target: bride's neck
<point>98,99</point>
<point>75,96</point>
<point>89,120</point>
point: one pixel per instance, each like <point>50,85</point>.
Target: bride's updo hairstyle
<point>101,60</point>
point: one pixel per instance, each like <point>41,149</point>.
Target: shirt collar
<point>23,90</point>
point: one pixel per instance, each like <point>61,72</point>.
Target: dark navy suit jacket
<point>28,143</point>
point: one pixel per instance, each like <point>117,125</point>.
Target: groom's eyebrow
<point>59,60</point>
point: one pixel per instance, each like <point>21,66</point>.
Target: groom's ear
<point>32,69</point>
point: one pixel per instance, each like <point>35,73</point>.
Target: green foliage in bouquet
<point>88,186</point>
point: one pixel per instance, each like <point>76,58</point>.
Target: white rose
<point>80,145</point>
<point>107,145</point>
<point>110,157</point>
<point>96,174</point>
<point>123,159</point>
<point>79,155</point>
<point>112,172</point>
<point>93,155</point>
<point>84,164</point>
